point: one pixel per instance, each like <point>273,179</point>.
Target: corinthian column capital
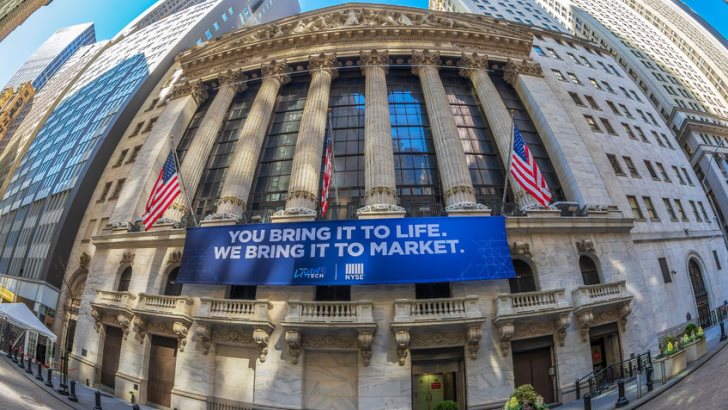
<point>276,70</point>
<point>374,58</point>
<point>324,63</point>
<point>470,62</point>
<point>513,68</point>
<point>197,90</point>
<point>235,79</point>
<point>425,58</point>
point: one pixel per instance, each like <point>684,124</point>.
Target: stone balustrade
<point>603,292</point>
<point>164,305</point>
<point>233,310</point>
<point>408,310</point>
<point>114,299</point>
<point>514,304</point>
<point>601,303</point>
<point>330,312</point>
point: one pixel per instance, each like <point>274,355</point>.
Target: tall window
<point>589,272</point>
<point>333,293</point>
<point>208,191</point>
<point>418,182</point>
<point>274,168</point>
<point>124,280</point>
<point>524,280</point>
<point>245,292</point>
<point>171,287</point>
<point>481,155</point>
<point>432,290</point>
<point>347,123</point>
<point>184,142</point>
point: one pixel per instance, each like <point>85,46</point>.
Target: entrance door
<point>438,375</point>
<point>429,390</point>
<point>605,346</point>
<point>532,367</point>
<point>110,358</point>
<point>162,362</point>
<point>700,292</point>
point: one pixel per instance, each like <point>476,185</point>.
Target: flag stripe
<point>525,171</point>
<point>328,174</point>
<point>166,189</point>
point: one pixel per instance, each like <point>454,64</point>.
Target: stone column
<point>457,185</point>
<point>303,189</point>
<point>239,178</point>
<point>380,196</point>
<point>204,139</point>
<point>173,121</point>
<point>474,68</point>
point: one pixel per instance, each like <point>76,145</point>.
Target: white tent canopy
<point>19,315</point>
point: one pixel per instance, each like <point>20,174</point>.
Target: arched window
<point>172,288</point>
<point>124,280</point>
<point>524,280</point>
<point>589,272</point>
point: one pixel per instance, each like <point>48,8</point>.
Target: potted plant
<point>671,360</point>
<point>694,343</point>
<point>446,405</point>
<point>525,398</point>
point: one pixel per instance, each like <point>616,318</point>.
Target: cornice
<point>371,26</point>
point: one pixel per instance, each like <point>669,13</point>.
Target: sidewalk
<point>633,386</point>
<point>86,396</point>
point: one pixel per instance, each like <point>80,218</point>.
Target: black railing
<point>223,404</point>
<point>603,379</point>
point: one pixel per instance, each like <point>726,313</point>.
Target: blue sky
<point>112,15</point>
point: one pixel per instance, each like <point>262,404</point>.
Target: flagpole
<point>182,182</point>
<point>333,159</point>
<point>509,160</point>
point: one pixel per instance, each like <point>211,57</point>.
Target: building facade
<point>14,12</point>
<point>421,106</point>
<point>13,107</point>
<point>52,54</point>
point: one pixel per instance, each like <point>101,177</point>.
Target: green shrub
<point>446,405</point>
<point>525,394</point>
<point>691,329</point>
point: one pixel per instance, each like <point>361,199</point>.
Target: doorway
<point>110,358</point>
<point>700,292</point>
<point>533,364</point>
<point>162,363</point>
<point>437,375</point>
<point>606,348</point>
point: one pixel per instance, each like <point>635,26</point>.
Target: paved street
<point>703,389</point>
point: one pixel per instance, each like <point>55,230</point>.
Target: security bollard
<point>72,394</point>
<point>15,356</point>
<point>49,378</point>
<point>587,401</point>
<point>622,400</point>
<point>135,407</point>
<point>39,370</point>
<point>98,400</point>
<point>29,367</point>
<point>722,332</point>
<point>650,370</point>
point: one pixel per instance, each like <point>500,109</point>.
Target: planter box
<point>695,350</point>
<point>667,367</point>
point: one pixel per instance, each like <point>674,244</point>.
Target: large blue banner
<point>355,252</point>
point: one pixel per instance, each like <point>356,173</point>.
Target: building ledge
<point>602,303</point>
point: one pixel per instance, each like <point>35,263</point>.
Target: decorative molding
<point>374,58</point>
<point>380,190</point>
<point>175,257</point>
<point>433,338</point>
<point>231,199</point>
<point>521,249</point>
<point>84,260</point>
<point>513,69</point>
<point>293,339</point>
<point>380,208</point>
<point>561,325</point>
<point>324,63</point>
<point>329,341</point>
<point>585,246</point>
<point>261,338</point>
<point>295,212</point>
<point>467,206</point>
<point>303,194</point>
<point>127,258</point>
<point>277,70</point>
<point>469,63</point>
<point>506,331</point>
<point>232,336</point>
<point>425,58</point>
<point>139,327</point>
<point>197,90</point>
<point>178,206</point>
<point>402,338</point>
<point>459,189</point>
<point>203,333</point>
<point>585,320</point>
<point>365,341</point>
<point>180,330</point>
<point>98,318</point>
<point>233,78</point>
<point>473,337</point>
<point>124,321</point>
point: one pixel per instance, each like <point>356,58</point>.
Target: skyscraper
<point>51,55</point>
<point>14,12</point>
<point>41,204</point>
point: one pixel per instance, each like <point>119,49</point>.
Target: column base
<point>220,220</point>
<point>294,215</point>
<point>468,209</point>
<point>380,211</point>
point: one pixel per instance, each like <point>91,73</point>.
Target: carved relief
<point>324,62</point>
<point>197,90</point>
<point>505,334</point>
<point>84,261</point>
<point>98,317</point>
<point>585,246</point>
<point>139,326</point>
<point>458,189</point>
<point>425,58</point>
<point>180,330</point>
<point>329,341</point>
<point>561,325</point>
<point>230,199</point>
<point>374,58</point>
<point>127,258</point>
<point>512,69</point>
<point>585,319</point>
<point>235,79</point>
<point>293,339</point>
<point>277,70</point>
<point>366,340</point>
<point>175,257</point>
<point>402,338</point>
<point>436,339</point>
<point>204,337</point>
<point>124,321</point>
<point>261,339</point>
<point>232,336</point>
<point>474,334</point>
<point>521,249</point>
<point>470,62</point>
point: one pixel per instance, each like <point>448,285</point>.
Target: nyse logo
<point>354,271</point>
<point>318,272</point>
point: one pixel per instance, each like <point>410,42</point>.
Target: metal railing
<point>224,404</point>
<point>603,379</point>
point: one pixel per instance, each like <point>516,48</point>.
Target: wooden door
<point>110,359</point>
<point>162,362</point>
<point>532,367</point>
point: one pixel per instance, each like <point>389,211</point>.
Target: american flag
<point>165,190</point>
<point>525,171</point>
<point>328,173</point>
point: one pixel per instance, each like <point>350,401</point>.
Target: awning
<point>19,315</point>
